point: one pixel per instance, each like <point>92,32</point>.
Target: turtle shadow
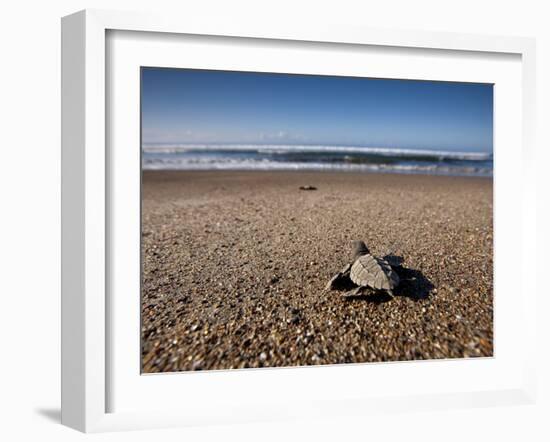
<point>414,284</point>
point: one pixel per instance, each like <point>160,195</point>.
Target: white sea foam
<point>285,149</point>
<point>171,162</point>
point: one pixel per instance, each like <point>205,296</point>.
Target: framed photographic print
<point>253,212</point>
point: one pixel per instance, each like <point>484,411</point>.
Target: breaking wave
<point>322,158</point>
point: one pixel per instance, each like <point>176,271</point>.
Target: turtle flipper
<point>355,292</point>
<point>331,285</point>
<point>339,279</point>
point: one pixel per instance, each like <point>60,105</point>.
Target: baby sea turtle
<point>367,272</point>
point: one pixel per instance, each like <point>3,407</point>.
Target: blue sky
<point>196,106</point>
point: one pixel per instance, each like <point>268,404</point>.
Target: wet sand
<point>235,265</point>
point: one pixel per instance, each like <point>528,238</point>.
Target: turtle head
<point>359,249</point>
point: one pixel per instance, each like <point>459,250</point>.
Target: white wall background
<point>30,214</point>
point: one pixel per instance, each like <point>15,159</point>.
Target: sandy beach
<point>235,265</point>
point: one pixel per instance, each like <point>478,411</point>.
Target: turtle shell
<point>377,273</point>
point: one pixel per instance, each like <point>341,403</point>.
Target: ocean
<point>315,158</point>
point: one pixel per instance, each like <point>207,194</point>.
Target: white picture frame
<point>87,319</point>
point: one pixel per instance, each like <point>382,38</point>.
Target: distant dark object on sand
<point>308,188</point>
